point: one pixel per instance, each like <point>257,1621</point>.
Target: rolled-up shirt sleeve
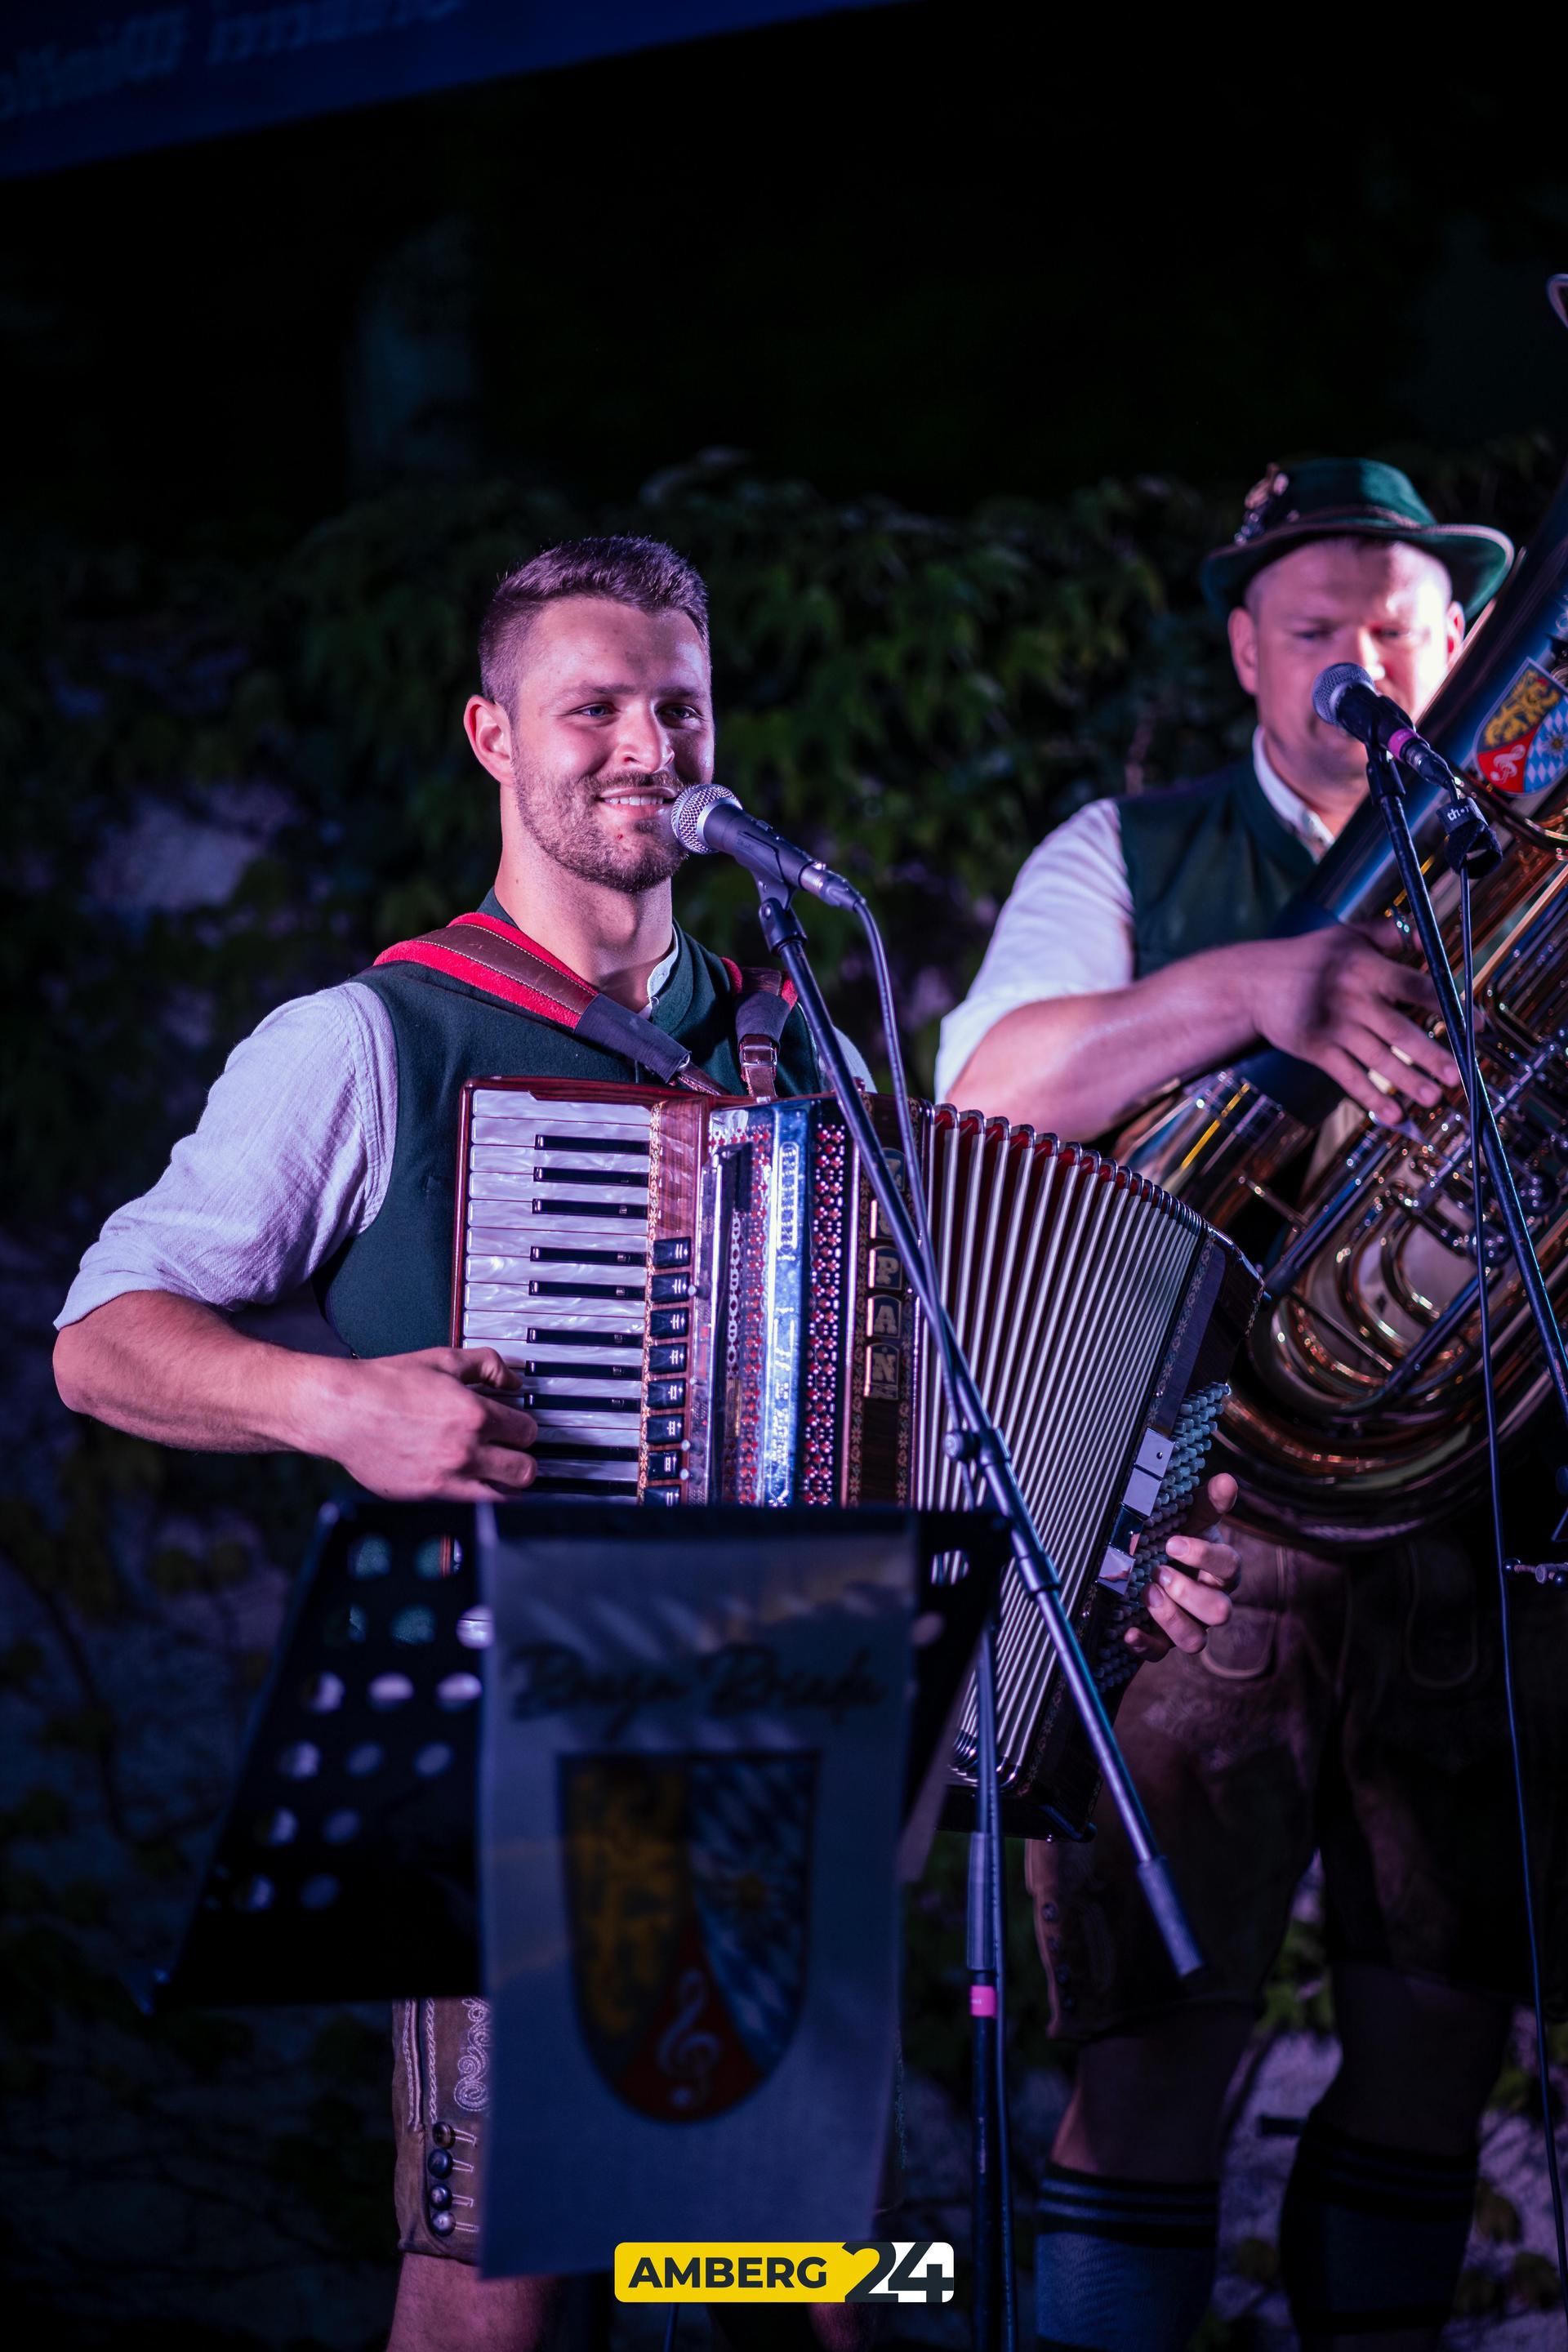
<point>1065,930</point>
<point>289,1158</point>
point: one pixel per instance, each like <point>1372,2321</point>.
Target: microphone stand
<point>1468,842</point>
<point>1469,847</point>
<point>978,1445</point>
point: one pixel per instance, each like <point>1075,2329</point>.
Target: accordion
<point>702,1308</point>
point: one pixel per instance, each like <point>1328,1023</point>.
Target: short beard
<point>564,819</point>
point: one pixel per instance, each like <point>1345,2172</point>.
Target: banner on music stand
<point>692,1770</point>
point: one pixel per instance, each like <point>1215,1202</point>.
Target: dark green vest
<point>389,1289</point>
<point>1208,863</point>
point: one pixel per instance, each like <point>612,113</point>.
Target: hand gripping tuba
<point>1357,1412</point>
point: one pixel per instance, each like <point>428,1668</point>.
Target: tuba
<point>1358,1411</point>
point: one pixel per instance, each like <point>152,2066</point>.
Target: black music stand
<point>344,1868</point>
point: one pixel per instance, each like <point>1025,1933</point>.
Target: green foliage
<point>1533,2284</point>
<point>1477,2293</point>
<point>1299,1995</point>
<point>1517,2091</point>
<point>1257,2260</point>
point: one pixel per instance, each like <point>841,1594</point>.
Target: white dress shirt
<point>1066,929</point>
<point>290,1157</point>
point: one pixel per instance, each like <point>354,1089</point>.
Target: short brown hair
<point>643,572</point>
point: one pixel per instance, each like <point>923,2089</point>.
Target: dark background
<point>946,355</point>
<point>906,249</point>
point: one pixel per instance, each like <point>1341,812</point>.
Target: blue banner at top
<point>80,80</point>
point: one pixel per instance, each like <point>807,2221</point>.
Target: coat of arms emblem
<point>688,1892</point>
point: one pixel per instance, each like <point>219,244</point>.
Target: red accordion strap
<point>494,957</point>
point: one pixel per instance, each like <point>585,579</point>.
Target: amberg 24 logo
<point>901,2270</point>
<point>907,2270</point>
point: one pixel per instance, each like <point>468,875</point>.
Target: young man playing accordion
<point>1351,1708</point>
<point>325,1156</point>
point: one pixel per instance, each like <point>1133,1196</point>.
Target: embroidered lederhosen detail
<point>472,2091</point>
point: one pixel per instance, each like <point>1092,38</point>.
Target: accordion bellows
<point>702,1308</point>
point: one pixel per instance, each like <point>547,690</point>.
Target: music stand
<point>344,1868</point>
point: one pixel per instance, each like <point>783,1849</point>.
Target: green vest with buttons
<point>1207,863</point>
<point>388,1290</point>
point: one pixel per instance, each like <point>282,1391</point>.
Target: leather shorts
<point>440,2095</point>
<point>1352,1708</point>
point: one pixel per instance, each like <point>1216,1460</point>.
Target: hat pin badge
<point>1261,504</point>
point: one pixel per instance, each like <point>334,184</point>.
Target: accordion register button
<point>661,1494</point>
<point>666,1396</point>
<point>663,1287</point>
<point>670,1323</point>
<point>666,1360</point>
<point>672,1252</point>
<point>665,1429</point>
<point>665,1464</point>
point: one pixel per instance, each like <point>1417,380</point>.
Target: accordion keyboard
<point>562,1277</point>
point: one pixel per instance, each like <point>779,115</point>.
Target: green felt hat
<point>1350,497</point>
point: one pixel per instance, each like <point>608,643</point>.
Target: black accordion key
<point>564,1209</point>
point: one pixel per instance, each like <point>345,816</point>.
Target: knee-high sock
<point>1372,2238</point>
<point>1122,2265</point>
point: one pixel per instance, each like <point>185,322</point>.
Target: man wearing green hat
<point>1340,1708</point>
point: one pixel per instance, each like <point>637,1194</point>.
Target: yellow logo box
<point>901,2270</point>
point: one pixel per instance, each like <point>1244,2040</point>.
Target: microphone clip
<point>1470,844</point>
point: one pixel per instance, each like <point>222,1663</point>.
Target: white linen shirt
<point>1066,929</point>
<point>290,1157</point>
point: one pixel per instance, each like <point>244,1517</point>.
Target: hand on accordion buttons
<point>1191,1592</point>
<point>434,1425</point>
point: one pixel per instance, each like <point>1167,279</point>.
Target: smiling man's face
<point>610,716</point>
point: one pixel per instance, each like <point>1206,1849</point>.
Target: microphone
<point>708,817</point>
<point>1344,695</point>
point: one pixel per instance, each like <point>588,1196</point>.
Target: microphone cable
<point>1494,1467</point>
